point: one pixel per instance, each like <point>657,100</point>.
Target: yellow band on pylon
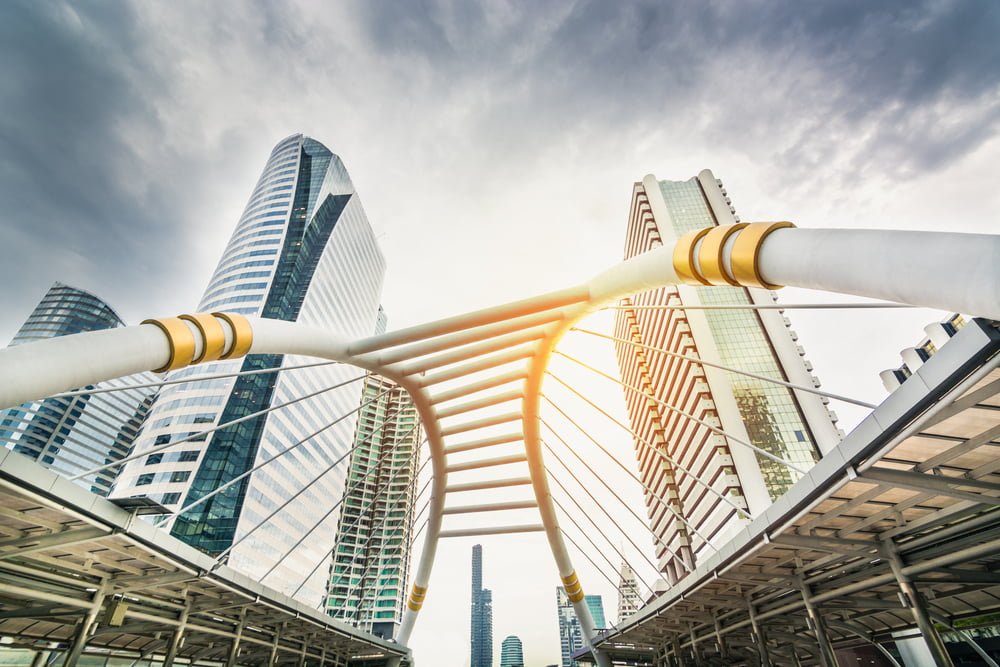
<point>705,264</point>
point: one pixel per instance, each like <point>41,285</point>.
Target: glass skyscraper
<point>793,425</point>
<point>75,434</point>
<point>368,578</point>
<point>629,600</point>
<point>511,652</point>
<point>570,632</point>
<point>303,250</point>
<point>481,644</point>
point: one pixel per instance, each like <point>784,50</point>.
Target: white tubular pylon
<point>954,272</point>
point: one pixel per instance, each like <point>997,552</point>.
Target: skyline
<point>473,152</point>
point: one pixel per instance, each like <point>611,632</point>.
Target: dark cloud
<point>121,122</point>
<point>78,202</point>
<point>920,81</point>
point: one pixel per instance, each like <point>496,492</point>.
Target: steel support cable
<point>252,415</point>
<point>611,456</point>
<point>604,511</point>
<point>729,369</point>
<point>352,588</point>
<point>593,544</point>
<point>712,427</point>
<point>332,554</point>
<point>359,587</point>
<point>616,586</point>
<point>305,488</point>
<point>672,510</point>
<point>331,510</point>
<point>657,540</point>
<point>197,378</point>
<point>419,530</point>
<point>274,458</point>
<point>768,306</point>
<point>666,457</point>
<point>360,515</point>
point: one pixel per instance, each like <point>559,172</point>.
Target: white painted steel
<point>951,272</point>
<point>898,266</point>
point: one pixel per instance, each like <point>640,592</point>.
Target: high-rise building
<point>482,614</point>
<point>75,434</point>
<point>511,652</point>
<point>303,250</point>
<point>629,601</point>
<point>570,633</point>
<point>368,575</point>
<point>674,392</point>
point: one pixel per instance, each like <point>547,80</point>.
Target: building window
<point>180,476</point>
<point>170,498</point>
<point>145,479</point>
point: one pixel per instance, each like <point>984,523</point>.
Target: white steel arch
<point>956,272</point>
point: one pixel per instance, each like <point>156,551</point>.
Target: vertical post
<point>723,653</point>
<point>302,655</point>
<point>915,602</point>
<point>85,627</point>
<point>758,636</point>
<point>234,650</point>
<point>178,636</point>
<point>678,653</point>
<point>694,645</point>
<point>40,659</point>
<point>827,656</point>
<point>273,659</point>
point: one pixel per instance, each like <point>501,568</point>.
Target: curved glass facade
<point>75,434</point>
<point>303,250</point>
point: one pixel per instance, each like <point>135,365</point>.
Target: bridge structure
<point>896,529</point>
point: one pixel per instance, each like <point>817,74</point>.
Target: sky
<point>494,147</point>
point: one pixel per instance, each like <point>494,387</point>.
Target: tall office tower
<point>511,652</point>
<point>77,433</point>
<point>628,592</point>
<point>674,392</point>
<point>482,614</point>
<point>368,575</point>
<point>570,633</point>
<point>303,250</point>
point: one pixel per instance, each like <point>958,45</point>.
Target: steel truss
<point>898,528</point>
<point>456,367</point>
<point>78,573</point>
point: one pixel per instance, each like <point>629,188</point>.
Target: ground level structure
<point>80,575</point>
<point>894,533</point>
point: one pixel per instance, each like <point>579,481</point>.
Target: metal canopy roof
<point>62,548</point>
<point>920,476</point>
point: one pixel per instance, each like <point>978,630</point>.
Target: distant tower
<point>570,633</point>
<point>482,614</point>
<point>790,424</point>
<point>368,578</point>
<point>303,251</point>
<point>628,592</point>
<point>75,434</point>
<point>511,652</point>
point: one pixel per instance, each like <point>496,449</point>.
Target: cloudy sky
<point>494,147</point>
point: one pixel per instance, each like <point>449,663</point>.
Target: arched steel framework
<point>955,272</point>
